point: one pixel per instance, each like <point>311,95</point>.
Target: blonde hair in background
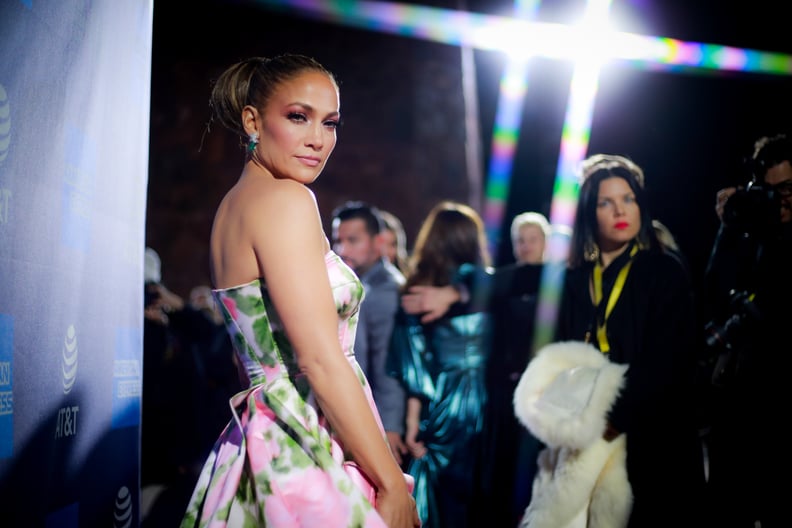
<point>529,218</point>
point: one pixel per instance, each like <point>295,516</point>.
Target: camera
<point>726,338</point>
<point>755,210</point>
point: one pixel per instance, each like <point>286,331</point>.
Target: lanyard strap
<point>602,335</point>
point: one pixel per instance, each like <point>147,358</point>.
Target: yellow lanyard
<point>602,335</point>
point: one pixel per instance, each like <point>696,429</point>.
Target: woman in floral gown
<point>306,447</point>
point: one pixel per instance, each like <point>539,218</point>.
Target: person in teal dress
<point>442,367</point>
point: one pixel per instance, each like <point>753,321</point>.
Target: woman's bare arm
<point>291,251</point>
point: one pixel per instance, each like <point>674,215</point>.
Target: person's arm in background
<point>430,302</point>
<point>472,285</point>
<point>406,363</point>
<point>730,264</point>
<point>292,261</point>
<point>721,197</point>
<point>161,302</point>
<point>413,421</point>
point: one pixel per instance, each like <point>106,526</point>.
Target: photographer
<point>748,296</point>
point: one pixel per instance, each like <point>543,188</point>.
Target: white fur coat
<point>563,398</point>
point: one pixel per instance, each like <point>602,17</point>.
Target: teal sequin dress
<point>442,363</point>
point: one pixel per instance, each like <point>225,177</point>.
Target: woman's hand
<point>397,445</point>
<point>417,449</point>
<point>412,421</point>
<point>397,508</point>
<point>721,198</point>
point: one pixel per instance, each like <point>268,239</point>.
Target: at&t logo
<point>69,365</point>
<point>66,421</point>
<point>122,513</point>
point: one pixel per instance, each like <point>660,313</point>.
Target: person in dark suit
<point>357,229</point>
<point>748,305</point>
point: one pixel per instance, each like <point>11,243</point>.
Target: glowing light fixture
<point>522,38</point>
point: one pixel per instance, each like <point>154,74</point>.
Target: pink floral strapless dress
<point>278,462</point>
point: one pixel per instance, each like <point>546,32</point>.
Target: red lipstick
<point>621,225</point>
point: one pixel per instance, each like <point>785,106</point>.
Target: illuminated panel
<point>508,118</point>
<point>670,52</point>
<point>525,39</point>
<point>574,145</point>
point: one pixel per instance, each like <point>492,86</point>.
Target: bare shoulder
<point>261,200</point>
<point>283,201</point>
<point>264,216</point>
<point>279,214</point>
<point>255,210</point>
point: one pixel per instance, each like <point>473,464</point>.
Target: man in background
<point>356,239</point>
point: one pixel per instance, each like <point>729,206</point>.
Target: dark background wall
<point>402,145</point>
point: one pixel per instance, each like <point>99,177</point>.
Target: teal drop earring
<point>253,140</point>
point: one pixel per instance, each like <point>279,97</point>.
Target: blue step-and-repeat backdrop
<point>74,141</point>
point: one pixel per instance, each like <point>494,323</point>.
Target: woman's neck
<point>609,255</point>
<point>255,170</point>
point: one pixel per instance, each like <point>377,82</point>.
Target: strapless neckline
<point>259,281</point>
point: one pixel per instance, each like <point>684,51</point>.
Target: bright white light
<point>630,46</point>
<point>594,34</point>
<point>523,40</point>
<point>592,40</point>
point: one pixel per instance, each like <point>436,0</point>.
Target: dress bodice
<point>258,335</point>
<point>279,462</point>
